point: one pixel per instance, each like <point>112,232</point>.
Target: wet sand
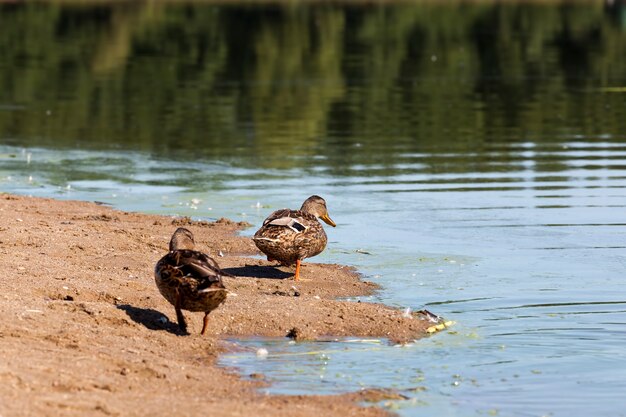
<point>86,332</point>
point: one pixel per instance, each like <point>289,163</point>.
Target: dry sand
<point>83,330</point>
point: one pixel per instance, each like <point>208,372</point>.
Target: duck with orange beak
<point>290,236</point>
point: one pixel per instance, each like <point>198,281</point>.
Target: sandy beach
<point>86,332</point>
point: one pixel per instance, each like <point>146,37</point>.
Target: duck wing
<point>190,269</point>
<point>295,220</point>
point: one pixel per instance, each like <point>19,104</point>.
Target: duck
<point>290,236</point>
<point>189,279</point>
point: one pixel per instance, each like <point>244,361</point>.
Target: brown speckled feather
<point>288,235</point>
<point>192,276</point>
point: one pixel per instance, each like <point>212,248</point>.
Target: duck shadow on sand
<point>258,271</point>
<point>152,319</point>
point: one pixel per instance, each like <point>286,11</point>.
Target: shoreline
<point>86,332</point>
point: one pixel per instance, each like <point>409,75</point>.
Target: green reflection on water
<point>281,86</point>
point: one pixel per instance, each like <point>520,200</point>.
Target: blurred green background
<point>221,80</point>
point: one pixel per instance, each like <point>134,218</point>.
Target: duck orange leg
<point>297,277</point>
<point>205,322</point>
<point>179,314</point>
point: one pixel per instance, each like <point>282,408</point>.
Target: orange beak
<point>328,220</point>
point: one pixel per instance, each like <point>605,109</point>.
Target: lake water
<point>472,155</point>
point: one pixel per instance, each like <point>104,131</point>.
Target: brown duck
<point>189,279</point>
<point>289,236</point>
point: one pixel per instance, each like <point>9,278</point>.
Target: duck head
<point>182,239</point>
<point>316,206</point>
